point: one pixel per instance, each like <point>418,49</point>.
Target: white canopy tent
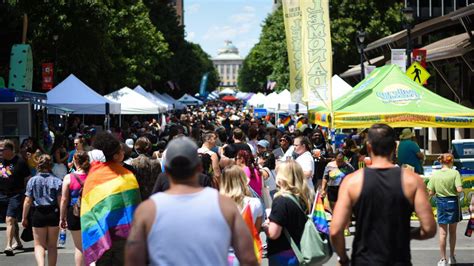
<point>74,95</point>
<point>282,101</point>
<point>189,100</point>
<point>213,95</point>
<point>271,101</point>
<point>339,88</point>
<point>162,105</point>
<point>227,91</point>
<point>257,100</point>
<point>133,103</point>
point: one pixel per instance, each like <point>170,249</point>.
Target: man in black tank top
<point>382,198</point>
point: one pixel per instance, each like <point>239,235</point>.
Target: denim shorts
<point>11,205</point>
<point>448,211</point>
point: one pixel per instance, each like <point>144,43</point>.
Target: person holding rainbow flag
<point>109,199</point>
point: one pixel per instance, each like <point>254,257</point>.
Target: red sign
<point>419,55</point>
<point>47,76</point>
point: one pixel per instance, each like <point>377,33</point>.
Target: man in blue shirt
<point>409,152</point>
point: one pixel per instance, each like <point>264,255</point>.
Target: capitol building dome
<point>229,48</point>
<point>228,63</point>
<point>229,52</point>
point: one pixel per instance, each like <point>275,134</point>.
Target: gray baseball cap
<point>264,143</point>
<point>181,152</point>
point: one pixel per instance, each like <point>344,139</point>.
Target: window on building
<point>436,8</point>
<point>449,6</point>
<point>425,7</point>
<point>10,123</point>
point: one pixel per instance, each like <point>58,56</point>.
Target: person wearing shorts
<point>14,171</point>
<point>446,185</point>
<point>333,175</point>
<point>71,193</point>
<point>43,191</point>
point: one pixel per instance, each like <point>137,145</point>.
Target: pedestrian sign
<point>417,73</point>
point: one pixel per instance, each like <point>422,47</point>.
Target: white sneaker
<point>442,262</point>
<point>452,260</point>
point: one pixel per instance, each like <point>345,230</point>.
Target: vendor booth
<point>77,97</point>
<point>162,105</point>
<point>170,100</point>
<point>389,96</point>
<point>133,103</point>
<point>189,100</point>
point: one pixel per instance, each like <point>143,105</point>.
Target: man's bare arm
<point>341,217</point>
<point>136,249</point>
<point>423,210</point>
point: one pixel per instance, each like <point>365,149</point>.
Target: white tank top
<point>189,229</point>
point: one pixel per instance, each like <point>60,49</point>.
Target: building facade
<point>179,6</point>
<point>428,9</point>
<point>228,63</point>
<point>449,42</point>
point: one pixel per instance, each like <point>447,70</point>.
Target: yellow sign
<point>292,20</point>
<point>417,73</point>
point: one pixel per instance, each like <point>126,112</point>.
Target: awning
<point>450,47</point>
<point>355,70</point>
<point>446,48</point>
<point>399,38</point>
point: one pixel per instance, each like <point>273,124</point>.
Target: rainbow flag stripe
<point>109,199</point>
<point>319,215</point>
<point>286,121</point>
<point>257,242</point>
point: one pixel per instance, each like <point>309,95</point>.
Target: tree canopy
<point>107,44</point>
<point>268,59</point>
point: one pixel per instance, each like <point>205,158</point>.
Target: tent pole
<point>449,139</point>
<point>120,120</point>
<point>425,136</point>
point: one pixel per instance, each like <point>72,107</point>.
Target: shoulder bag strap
<point>78,180</point>
<point>294,246</point>
<point>293,198</point>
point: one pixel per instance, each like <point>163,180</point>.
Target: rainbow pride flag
<point>319,215</point>
<point>109,199</point>
<point>286,121</point>
<point>257,242</point>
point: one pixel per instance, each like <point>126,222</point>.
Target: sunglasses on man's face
<point>281,140</point>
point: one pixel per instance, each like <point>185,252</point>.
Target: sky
<point>210,22</point>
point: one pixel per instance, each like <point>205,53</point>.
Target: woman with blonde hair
<point>234,184</point>
<point>286,214</point>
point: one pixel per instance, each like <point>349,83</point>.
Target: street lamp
<point>55,67</point>
<point>360,44</point>
<point>408,19</point>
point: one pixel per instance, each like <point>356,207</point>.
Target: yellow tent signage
<point>417,73</point>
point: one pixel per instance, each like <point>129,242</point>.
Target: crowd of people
<point>174,192</point>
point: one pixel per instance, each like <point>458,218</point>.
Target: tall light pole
<point>360,44</point>
<point>408,19</point>
<point>55,67</point>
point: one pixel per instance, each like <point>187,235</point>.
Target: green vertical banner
<point>316,52</point>
<point>21,68</point>
<point>292,20</point>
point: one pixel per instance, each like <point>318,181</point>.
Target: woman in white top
<point>266,161</point>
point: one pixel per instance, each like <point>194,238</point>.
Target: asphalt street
<point>423,252</point>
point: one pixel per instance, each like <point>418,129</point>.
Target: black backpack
<point>206,161</point>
